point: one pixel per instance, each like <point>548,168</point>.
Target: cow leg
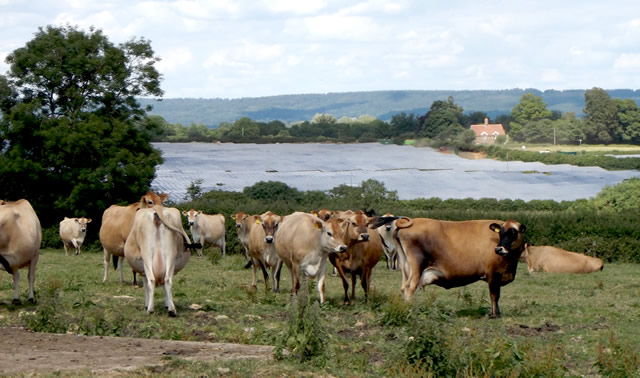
<point>76,246</point>
<point>32,278</point>
<point>265,275</point>
<point>107,257</point>
<point>365,280</point>
<point>388,258</point>
<point>168,293</point>
<point>322,273</point>
<point>345,283</point>
<point>199,250</point>
<point>16,293</point>
<point>253,266</point>
<point>275,273</point>
<point>295,280</point>
<point>149,286</point>
<point>66,248</point>
<point>354,278</point>
<point>224,247</point>
<point>494,291</point>
<point>120,264</point>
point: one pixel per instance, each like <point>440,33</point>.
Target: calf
<point>262,251</point>
<point>303,242</point>
<point>556,260</point>
<point>20,238</point>
<point>364,249</point>
<point>453,254</point>
<point>206,229</point>
<point>73,232</point>
<point>156,249</point>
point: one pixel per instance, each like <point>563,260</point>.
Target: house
<point>487,133</point>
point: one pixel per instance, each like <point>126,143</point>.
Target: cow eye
<point>353,224</point>
<point>330,233</point>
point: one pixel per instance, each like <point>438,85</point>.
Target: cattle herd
<point>151,238</point>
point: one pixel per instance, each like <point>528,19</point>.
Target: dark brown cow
<point>453,254</point>
<point>364,248</point>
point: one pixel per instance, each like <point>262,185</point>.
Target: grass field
<point>552,324</point>
<point>609,148</point>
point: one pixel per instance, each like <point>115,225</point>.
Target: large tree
<point>72,137</point>
<point>441,117</point>
<point>531,108</point>
<point>601,121</point>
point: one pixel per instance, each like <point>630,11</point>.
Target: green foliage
<point>441,118</point>
<point>71,136</point>
<point>194,190</point>
<point>601,122</point>
<point>272,191</point>
<point>305,335</point>
<point>624,196</point>
<point>428,345</point>
<point>617,359</point>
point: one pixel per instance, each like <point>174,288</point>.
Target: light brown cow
<point>156,248</point>
<point>453,254</point>
<point>364,250</point>
<point>20,238</point>
<point>303,242</point>
<point>206,229</point>
<point>323,214</point>
<point>73,232</point>
<point>262,250</point>
<point>243,227</point>
<point>386,232</point>
<point>388,247</point>
<point>556,260</point>
<point>116,225</point>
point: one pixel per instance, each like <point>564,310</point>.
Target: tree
<point>72,140</point>
<point>601,121</point>
<point>530,108</point>
<point>629,120</point>
<point>404,124</point>
<point>245,127</point>
<point>441,116</point>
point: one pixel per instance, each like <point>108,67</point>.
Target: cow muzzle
<point>363,237</point>
<point>502,251</point>
<point>268,239</point>
<point>341,248</point>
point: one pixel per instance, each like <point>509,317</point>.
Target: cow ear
<point>233,216</point>
<point>494,227</point>
<point>184,212</point>
<point>258,221</point>
<point>317,224</point>
<point>314,212</point>
<point>199,212</point>
<point>88,220</point>
<point>523,228</point>
<point>163,197</point>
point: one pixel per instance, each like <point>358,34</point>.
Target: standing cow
<point>303,242</point>
<point>20,238</point>
<point>73,232</point>
<point>453,254</point>
<point>206,229</point>
<point>116,225</point>
<point>244,222</point>
<point>262,251</point>
<point>156,248</point>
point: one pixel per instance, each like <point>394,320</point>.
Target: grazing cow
<point>156,248</point>
<point>73,232</point>
<point>262,251</point>
<point>116,225</point>
<point>20,238</point>
<point>364,249</point>
<point>206,228</point>
<point>556,260</point>
<point>244,222</point>
<point>303,242</point>
<point>453,254</point>
<point>323,214</point>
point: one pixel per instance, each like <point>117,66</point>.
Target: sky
<point>256,48</point>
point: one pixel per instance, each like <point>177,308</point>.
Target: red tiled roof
<point>489,129</point>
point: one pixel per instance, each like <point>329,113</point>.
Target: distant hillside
<point>380,104</point>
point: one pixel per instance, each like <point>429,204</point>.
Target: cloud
<point>333,26</point>
<point>174,59</point>
<point>295,6</point>
<point>627,61</point>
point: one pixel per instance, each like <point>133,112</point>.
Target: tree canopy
<point>72,140</point>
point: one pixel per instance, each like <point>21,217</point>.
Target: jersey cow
<point>303,242</point>
<point>452,254</point>
<point>206,229</point>
<point>243,227</point>
<point>156,249</point>
<point>364,249</point>
<point>20,238</point>
<point>262,250</point>
<point>557,260</point>
<point>73,232</point>
<point>116,226</point>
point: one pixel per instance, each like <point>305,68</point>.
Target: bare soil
<point>27,352</point>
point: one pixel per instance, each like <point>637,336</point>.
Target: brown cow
<point>364,249</point>
<point>389,246</point>
<point>20,238</point>
<point>244,222</point>
<point>323,214</point>
<point>206,228</point>
<point>73,232</point>
<point>303,242</point>
<point>453,254</point>
<point>556,260</point>
<point>262,251</point>
<point>155,248</point>
<point>116,225</point>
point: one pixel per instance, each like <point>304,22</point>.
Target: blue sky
<point>242,48</point>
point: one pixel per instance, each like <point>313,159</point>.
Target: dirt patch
<point>32,352</point>
<point>525,330</point>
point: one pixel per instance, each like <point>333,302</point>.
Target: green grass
<point>552,324</point>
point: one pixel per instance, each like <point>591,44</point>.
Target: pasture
<point>552,324</point>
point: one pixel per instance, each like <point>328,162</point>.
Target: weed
<point>618,359</point>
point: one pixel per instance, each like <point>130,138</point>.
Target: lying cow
<point>206,229</point>
<point>116,225</point>
<point>303,242</point>
<point>262,250</point>
<point>364,250</point>
<point>453,254</point>
<point>556,260</point>
<point>73,232</point>
<point>20,238</point>
<point>156,249</point>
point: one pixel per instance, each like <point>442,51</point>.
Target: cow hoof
<point>172,314</point>
<point>276,290</point>
<point>32,300</point>
<point>494,316</point>
<point>16,302</point>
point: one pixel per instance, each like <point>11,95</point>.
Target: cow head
<point>151,199</point>
<point>323,214</point>
<point>239,217</point>
<point>331,238</point>
<point>192,216</point>
<point>356,227</point>
<point>269,222</point>
<point>82,223</point>
<point>511,237</point>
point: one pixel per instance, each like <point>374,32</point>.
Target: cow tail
<point>6,265</point>
<point>115,261</point>
<point>157,258</point>
<point>404,222</point>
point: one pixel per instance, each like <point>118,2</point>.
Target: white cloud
<point>295,6</point>
<point>334,26</point>
<point>174,59</point>
<point>627,61</point>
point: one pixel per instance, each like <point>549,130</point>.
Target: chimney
<point>486,122</point>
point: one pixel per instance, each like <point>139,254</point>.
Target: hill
<point>380,104</point>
